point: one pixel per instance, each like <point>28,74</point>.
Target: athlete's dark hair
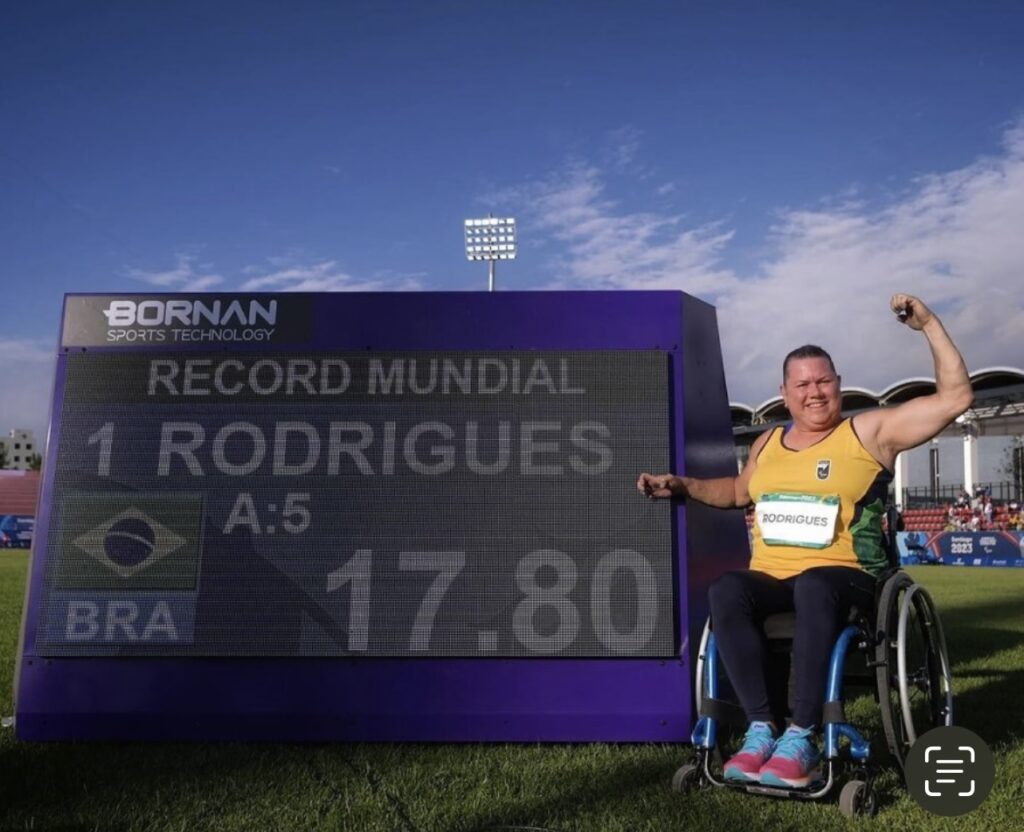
<point>807,351</point>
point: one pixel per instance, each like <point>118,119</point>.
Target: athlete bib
<point>797,519</point>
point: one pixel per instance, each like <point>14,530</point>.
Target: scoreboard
<point>374,516</point>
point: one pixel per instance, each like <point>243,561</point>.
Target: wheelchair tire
<point>912,671</point>
<point>700,670</point>
<point>687,778</point>
<point>858,799</point>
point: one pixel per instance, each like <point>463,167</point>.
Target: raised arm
<point>720,492</point>
<point>889,430</point>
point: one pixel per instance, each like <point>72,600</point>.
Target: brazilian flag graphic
<point>128,542</point>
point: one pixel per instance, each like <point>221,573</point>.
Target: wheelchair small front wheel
<point>858,798</point>
<point>687,778</point>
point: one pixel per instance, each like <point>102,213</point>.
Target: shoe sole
<point>735,775</point>
<point>769,779</point>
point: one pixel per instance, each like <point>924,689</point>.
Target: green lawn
<point>406,787</point>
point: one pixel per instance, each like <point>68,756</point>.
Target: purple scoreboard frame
<point>426,699</point>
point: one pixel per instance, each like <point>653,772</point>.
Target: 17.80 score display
<point>546,579</point>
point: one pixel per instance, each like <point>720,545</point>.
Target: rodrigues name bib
<point>797,519</point>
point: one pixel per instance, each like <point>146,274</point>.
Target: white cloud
<point>182,278</point>
<point>951,238</point>
<point>324,277</point>
<point>605,248</point>
<point>28,383</point>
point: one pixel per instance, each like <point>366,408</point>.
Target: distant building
<point>20,446</point>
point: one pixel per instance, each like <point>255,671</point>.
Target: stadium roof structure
<point>998,408</point>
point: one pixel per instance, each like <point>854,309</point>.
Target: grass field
<point>470,788</point>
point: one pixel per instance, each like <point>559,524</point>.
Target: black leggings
<point>822,597</point>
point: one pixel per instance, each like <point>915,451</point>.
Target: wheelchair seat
<point>781,626</point>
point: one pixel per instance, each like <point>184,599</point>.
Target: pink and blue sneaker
<point>758,744</point>
<point>794,762</point>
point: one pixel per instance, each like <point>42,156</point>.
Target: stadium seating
<point>925,519</point>
<point>19,491</point>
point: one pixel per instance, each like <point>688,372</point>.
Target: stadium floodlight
<point>491,239</point>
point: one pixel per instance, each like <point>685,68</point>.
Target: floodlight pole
<point>491,267</point>
<point>492,240</point>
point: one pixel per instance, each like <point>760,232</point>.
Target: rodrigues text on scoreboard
<point>297,448</point>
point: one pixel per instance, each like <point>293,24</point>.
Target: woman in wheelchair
<point>819,487</point>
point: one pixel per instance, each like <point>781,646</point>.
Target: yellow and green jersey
<point>837,466</point>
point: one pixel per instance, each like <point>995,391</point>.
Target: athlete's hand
<point>917,314</point>
<point>660,486</point>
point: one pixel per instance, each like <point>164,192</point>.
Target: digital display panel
<point>322,503</point>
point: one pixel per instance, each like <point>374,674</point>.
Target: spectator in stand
<point>1000,522</point>
<point>964,500</point>
<point>1014,519</point>
<point>975,521</point>
<point>987,512</point>
<point>952,520</point>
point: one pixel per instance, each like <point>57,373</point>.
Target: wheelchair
<point>902,657</point>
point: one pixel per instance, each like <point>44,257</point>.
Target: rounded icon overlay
<point>950,771</point>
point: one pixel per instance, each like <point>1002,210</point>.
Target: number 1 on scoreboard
<point>105,437</point>
<point>357,573</point>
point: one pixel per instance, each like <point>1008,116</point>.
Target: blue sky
<point>793,163</point>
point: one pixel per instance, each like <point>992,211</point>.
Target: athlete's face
<point>811,393</point>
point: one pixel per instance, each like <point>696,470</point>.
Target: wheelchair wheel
<point>687,778</point>
<point>857,798</point>
<point>914,680</point>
